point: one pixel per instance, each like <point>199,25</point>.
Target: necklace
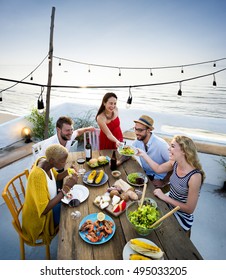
<point>109,118</point>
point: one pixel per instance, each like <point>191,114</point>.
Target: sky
<point>126,33</point>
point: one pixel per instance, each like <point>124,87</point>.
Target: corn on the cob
<point>145,245</point>
<point>99,177</point>
<point>146,249</point>
<point>138,257</point>
<point>91,176</point>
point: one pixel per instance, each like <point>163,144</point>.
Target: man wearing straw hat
<point>155,147</point>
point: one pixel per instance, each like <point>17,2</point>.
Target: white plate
<point>103,181</point>
<point>78,191</point>
<point>121,149</point>
<point>127,250</point>
<point>140,175</point>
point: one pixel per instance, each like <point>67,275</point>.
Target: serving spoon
<point>143,195</point>
<point>165,216</point>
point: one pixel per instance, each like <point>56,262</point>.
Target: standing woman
<point>109,123</point>
<point>185,181</point>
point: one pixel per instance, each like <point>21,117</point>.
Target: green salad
<point>132,177</point>
<point>144,216</point>
<point>136,178</point>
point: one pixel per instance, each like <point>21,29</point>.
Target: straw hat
<point>146,120</point>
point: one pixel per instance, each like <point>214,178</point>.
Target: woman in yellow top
<point>41,210</point>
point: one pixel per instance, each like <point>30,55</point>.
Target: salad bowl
<point>141,218</point>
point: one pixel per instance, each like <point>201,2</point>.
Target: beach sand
<point>6,117</point>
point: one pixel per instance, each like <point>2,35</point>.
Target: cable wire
<point>21,81</point>
<point>112,86</point>
<point>138,68</point>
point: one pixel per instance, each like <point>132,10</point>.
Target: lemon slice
<point>100,216</point>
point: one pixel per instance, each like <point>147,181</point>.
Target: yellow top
<point>35,225</point>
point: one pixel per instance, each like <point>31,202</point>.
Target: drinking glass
<point>81,169</point>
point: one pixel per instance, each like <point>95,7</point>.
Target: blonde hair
<point>56,151</point>
<point>188,147</point>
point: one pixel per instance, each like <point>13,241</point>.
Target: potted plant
<point>38,125</point>
<point>85,120</point>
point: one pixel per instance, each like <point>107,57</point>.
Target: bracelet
<point>63,192</point>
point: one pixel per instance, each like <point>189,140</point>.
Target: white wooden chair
<point>74,146</point>
<point>37,149</point>
<point>93,138</point>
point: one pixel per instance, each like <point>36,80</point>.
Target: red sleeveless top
<point>114,127</point>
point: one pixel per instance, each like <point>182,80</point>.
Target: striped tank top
<point>179,191</point>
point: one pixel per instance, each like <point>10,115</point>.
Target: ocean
<point>196,100</point>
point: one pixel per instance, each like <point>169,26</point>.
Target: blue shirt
<point>157,151</point>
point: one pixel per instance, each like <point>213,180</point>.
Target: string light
<point>59,62</point>
<point>142,68</point>
<point>119,72</point>
<point>151,74</point>
<point>179,91</point>
<point>112,86</point>
<point>89,69</point>
<point>31,78</point>
<point>129,100</point>
<point>40,104</point>
<point>182,70</point>
<point>214,64</point>
<point>214,81</point>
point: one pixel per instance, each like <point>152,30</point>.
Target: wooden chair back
<point>14,195</point>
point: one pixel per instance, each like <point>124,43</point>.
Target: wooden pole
<point>50,57</point>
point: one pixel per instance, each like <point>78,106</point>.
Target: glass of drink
<point>81,169</point>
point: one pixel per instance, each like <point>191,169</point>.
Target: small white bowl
<point>116,174</point>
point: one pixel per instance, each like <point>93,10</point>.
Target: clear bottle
<point>88,150</point>
<point>113,162</point>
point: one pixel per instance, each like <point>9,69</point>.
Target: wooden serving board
<point>109,209</point>
<point>125,187</point>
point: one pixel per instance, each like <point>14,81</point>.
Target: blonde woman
<point>41,210</point>
<point>186,179</point>
<point>108,120</point>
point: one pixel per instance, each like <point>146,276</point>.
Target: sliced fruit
<point>100,216</point>
<point>120,206</point>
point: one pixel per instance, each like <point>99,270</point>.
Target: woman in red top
<point>109,123</point>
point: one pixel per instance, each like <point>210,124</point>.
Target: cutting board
<point>125,187</point>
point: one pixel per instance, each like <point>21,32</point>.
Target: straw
<point>165,216</point>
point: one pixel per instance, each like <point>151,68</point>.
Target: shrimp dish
<point>95,231</point>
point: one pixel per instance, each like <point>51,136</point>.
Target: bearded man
<point>154,146</point>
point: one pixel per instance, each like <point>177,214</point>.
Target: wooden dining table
<point>170,237</point>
